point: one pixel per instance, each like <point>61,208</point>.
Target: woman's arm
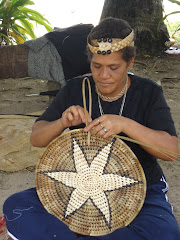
<point>43,132</point>
<point>160,139</point>
<point>115,124</point>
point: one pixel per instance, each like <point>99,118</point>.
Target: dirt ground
<point>163,69</point>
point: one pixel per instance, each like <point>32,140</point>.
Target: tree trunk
<point>144,17</point>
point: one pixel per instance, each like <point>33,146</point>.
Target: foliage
<point>16,21</point>
<point>173,31</point>
<point>175,1</point>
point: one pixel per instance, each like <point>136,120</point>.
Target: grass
<point>174,30</point>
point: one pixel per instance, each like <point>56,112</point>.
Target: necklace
<point>111,98</point>
<point>123,101</point>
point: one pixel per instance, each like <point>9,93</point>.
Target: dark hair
<point>112,28</point>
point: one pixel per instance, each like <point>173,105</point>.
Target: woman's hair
<point>112,28</point>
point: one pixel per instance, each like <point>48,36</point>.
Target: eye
<point>97,66</point>
<point>113,68</point>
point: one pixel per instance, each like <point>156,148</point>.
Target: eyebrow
<point>110,65</point>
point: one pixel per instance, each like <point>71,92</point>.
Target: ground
<point>163,69</point>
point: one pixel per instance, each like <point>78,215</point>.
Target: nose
<point>104,72</point>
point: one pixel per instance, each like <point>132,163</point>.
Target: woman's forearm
<point>160,139</point>
<point>43,132</point>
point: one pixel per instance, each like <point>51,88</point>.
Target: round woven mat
<point>93,189</point>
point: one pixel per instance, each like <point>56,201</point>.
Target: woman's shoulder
<point>144,88</point>
<point>143,83</point>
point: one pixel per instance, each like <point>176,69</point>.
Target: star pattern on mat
<point>90,181</point>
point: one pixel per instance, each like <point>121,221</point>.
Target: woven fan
<point>94,186</point>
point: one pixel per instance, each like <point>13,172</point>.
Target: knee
<point>20,200</point>
<point>8,204</point>
<point>12,202</point>
<point>171,233</point>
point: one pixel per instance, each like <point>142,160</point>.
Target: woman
<point>122,104</point>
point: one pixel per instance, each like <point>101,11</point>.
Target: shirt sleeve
<point>57,107</point>
<point>159,117</point>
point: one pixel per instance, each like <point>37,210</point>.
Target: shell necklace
<point>124,90</point>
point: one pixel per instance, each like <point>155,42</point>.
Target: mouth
<point>104,84</point>
<point>104,87</point>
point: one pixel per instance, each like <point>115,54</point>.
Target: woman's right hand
<point>43,132</point>
<point>74,116</point>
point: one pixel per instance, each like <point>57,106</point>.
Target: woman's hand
<point>43,132</point>
<point>74,116</point>
<point>106,125</point>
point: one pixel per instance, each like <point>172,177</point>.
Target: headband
<point>109,45</point>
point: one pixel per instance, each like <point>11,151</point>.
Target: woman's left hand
<point>106,125</point>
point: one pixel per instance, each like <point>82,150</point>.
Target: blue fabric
<point>26,219</point>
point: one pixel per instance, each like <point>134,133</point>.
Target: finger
<point>101,133</point>
<point>70,116</point>
<point>95,130</point>
<point>92,125</point>
<point>84,115</point>
<point>74,111</point>
<point>104,134</point>
<point>89,117</point>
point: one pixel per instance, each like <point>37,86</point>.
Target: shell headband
<point>109,45</point>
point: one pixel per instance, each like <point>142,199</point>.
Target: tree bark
<point>144,17</point>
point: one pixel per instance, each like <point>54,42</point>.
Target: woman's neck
<point>116,97</point>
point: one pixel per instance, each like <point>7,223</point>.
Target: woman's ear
<point>131,63</point>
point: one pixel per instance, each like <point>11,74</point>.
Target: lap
<point>27,219</point>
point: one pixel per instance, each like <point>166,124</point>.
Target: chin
<point>106,92</point>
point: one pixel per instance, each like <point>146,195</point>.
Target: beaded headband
<point>109,45</point>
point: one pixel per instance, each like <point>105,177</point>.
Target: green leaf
<point>175,1</point>
<point>15,29</point>
<point>41,22</point>
<point>28,26</point>
<point>18,12</point>
<point>169,15</point>
<point>18,15</point>
<point>1,14</point>
<point>162,19</point>
<point>4,25</point>
<point>18,3</point>
<point>33,12</point>
<point>2,3</point>
<point>1,11</point>
<point>21,3</point>
<point>20,28</point>
<point>3,35</point>
<point>17,38</point>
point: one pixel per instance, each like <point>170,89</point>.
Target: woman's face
<point>109,72</point>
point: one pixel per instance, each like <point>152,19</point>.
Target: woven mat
<point>16,151</point>
<point>93,189</point>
